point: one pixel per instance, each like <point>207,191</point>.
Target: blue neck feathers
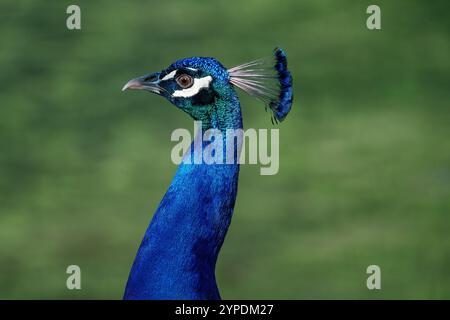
<point>177,257</point>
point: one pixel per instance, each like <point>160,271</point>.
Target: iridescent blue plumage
<point>177,257</point>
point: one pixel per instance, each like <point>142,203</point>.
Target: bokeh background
<point>364,161</point>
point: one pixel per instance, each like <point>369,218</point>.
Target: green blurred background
<point>364,158</point>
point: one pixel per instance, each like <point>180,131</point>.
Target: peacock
<point>177,257</point>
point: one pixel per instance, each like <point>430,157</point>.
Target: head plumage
<point>269,80</point>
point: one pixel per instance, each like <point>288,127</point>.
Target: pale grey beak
<point>148,82</point>
<point>133,84</point>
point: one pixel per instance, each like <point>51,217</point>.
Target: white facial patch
<point>196,87</point>
<point>169,75</point>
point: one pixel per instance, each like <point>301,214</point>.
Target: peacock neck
<point>177,257</point>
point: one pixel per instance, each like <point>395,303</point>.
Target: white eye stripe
<point>196,87</point>
<point>169,75</point>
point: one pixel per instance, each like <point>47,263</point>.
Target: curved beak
<point>149,82</point>
<point>133,84</point>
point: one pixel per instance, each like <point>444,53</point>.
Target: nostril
<point>151,78</point>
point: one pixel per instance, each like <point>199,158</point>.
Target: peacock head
<point>200,86</point>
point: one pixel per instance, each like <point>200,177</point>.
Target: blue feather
<point>282,108</point>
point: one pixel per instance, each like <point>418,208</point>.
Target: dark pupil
<point>184,81</point>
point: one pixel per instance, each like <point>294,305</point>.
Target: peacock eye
<point>185,81</point>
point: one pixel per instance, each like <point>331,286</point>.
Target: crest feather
<point>269,80</point>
